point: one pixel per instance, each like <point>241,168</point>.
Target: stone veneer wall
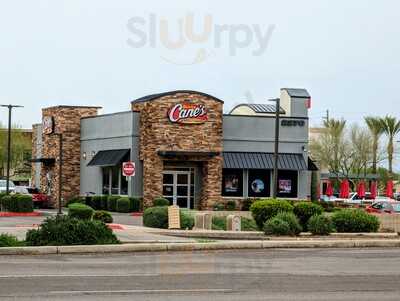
<point>67,121</point>
<point>158,133</point>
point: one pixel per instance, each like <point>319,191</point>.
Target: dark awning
<point>45,161</point>
<point>174,154</point>
<point>312,165</point>
<point>109,157</point>
<point>244,160</point>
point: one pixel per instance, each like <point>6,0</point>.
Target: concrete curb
<point>225,245</point>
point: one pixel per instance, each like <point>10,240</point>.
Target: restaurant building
<point>184,148</point>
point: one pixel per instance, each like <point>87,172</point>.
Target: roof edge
<point>159,95</point>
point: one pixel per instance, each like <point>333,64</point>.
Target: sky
<point>107,53</point>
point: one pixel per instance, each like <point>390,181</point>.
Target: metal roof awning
<point>312,165</point>
<point>244,160</point>
<point>170,153</point>
<point>109,157</point>
<point>46,161</point>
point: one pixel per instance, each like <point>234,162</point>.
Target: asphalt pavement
<point>312,274</point>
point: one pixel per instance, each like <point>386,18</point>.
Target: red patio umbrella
<point>389,189</point>
<point>361,190</point>
<point>374,190</point>
<point>344,189</point>
<point>329,189</point>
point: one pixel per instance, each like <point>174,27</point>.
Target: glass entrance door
<point>178,188</point>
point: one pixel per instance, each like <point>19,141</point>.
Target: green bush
<point>103,216</point>
<point>246,204</point>
<point>292,220</point>
<point>80,211</point>
<point>264,210</point>
<point>320,225</point>
<point>64,230</point>
<point>156,217</point>
<point>104,202</point>
<point>8,203</point>
<point>355,221</point>
<point>16,203</point>
<point>218,223</point>
<point>328,206</point>
<point>96,202</point>
<point>112,202</point>
<point>276,226</point>
<point>76,199</point>
<point>135,205</point>
<point>123,205</point>
<point>7,240</point>
<point>231,205</point>
<point>305,210</point>
<point>187,219</point>
<point>160,202</point>
<point>219,207</point>
<point>248,224</point>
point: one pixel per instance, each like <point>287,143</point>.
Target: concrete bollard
<point>234,223</point>
<point>203,221</point>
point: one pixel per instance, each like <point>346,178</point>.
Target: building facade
<point>184,149</point>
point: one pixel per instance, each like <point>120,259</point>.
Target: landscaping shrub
<point>24,203</point>
<point>231,205</point>
<point>8,203</point>
<point>187,219</point>
<point>292,220</point>
<point>64,230</point>
<point>112,202</point>
<point>320,225</point>
<point>7,240</point>
<point>76,199</point>
<point>219,207</point>
<point>276,226</point>
<point>160,202</point>
<point>156,217</point>
<point>96,202</point>
<point>355,221</point>
<point>218,223</point>
<point>264,210</point>
<point>246,204</point>
<point>103,216</point>
<point>135,205</point>
<point>305,210</point>
<point>328,206</point>
<point>248,224</point>
<point>104,202</point>
<point>80,211</point>
<point>123,205</point>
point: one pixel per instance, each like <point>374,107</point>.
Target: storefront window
<point>232,182</point>
<point>106,181</point>
<point>114,182</point>
<point>259,183</point>
<point>287,183</point>
<point>115,171</point>
<point>124,184</point>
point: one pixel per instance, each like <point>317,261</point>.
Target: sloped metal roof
<point>109,157</point>
<point>298,93</point>
<point>244,160</point>
<point>159,95</point>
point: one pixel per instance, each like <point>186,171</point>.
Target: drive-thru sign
<point>128,169</point>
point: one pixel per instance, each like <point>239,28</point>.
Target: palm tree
<point>392,128</point>
<point>377,128</point>
<point>335,130</point>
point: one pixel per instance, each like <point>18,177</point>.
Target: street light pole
<point>10,107</point>
<point>276,146</point>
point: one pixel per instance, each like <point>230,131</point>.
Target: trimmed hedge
<point>135,205</point>
<point>292,220</point>
<point>187,219</point>
<point>103,216</point>
<point>305,210</point>
<point>160,202</point>
<point>123,205</point>
<point>64,230</point>
<point>16,203</point>
<point>276,226</point>
<point>112,202</point>
<point>7,240</point>
<point>156,217</point>
<point>320,225</point>
<point>246,204</point>
<point>80,211</point>
<point>76,199</point>
<point>355,221</point>
<point>264,210</point>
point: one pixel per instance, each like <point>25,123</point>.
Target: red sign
<point>128,169</point>
<point>188,113</point>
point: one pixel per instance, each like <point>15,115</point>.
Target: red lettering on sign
<point>188,113</point>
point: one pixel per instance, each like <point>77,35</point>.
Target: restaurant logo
<point>188,113</point>
<point>48,125</point>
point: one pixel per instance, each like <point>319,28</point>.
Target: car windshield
<point>3,183</point>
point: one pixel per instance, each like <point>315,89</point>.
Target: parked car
<point>3,184</point>
<point>38,198</point>
<point>356,200</point>
<point>390,207</point>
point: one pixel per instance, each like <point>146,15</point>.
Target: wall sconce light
<point>304,148</point>
<point>84,156</point>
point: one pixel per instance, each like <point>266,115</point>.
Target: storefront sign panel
<point>188,113</point>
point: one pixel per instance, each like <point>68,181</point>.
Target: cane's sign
<point>188,113</point>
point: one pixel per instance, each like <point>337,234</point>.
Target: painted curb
<point>226,245</point>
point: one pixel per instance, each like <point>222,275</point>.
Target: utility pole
<point>327,118</point>
<point>10,107</point>
<point>276,146</point>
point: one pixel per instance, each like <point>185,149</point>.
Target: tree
<point>391,128</point>
<point>377,128</point>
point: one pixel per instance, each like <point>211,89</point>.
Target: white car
<point>3,184</point>
<point>355,199</point>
